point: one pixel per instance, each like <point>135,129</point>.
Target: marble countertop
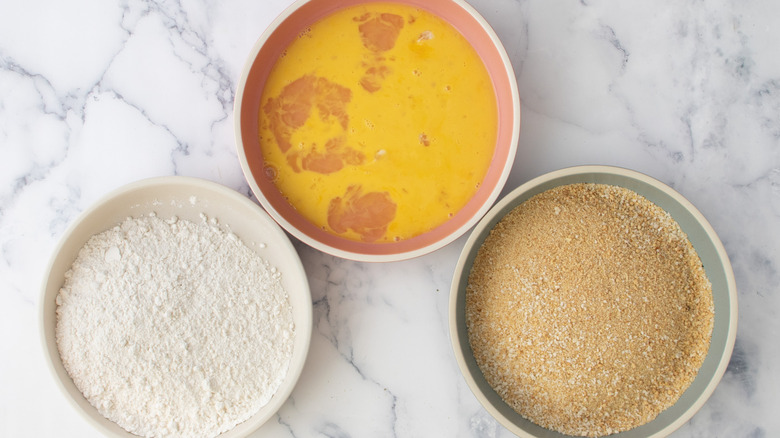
<point>95,94</point>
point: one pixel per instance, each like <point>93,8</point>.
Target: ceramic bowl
<point>262,58</point>
<point>704,240</point>
<point>186,198</point>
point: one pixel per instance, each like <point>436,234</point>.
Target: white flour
<point>172,328</point>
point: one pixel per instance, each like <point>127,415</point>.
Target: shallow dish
<point>261,60</point>
<point>706,244</point>
<point>186,198</point>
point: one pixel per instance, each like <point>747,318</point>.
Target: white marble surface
<point>98,93</point>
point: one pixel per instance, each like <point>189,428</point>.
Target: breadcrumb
<point>588,310</point>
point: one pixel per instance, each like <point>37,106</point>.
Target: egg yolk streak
<point>378,122</point>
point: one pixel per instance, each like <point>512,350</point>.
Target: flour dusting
<point>174,328</point>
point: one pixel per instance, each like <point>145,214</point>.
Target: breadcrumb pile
<point>588,310</point>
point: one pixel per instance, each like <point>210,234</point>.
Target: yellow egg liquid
<point>378,122</point>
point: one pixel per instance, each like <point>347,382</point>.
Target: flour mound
<point>174,328</point>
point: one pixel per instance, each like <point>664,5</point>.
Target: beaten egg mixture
<point>378,122</point>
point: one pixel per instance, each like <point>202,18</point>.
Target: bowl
<point>700,234</point>
<point>267,50</point>
<point>186,198</point>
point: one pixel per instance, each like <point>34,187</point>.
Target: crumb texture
<point>174,328</point>
<point>588,310</point>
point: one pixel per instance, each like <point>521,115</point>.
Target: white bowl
<point>705,242</point>
<point>185,198</point>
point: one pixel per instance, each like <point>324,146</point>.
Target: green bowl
<point>705,241</point>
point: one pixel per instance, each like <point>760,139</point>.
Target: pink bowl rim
<point>506,148</point>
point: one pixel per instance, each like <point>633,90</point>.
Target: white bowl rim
<point>296,366</point>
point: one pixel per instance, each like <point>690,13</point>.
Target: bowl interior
<point>247,108</point>
<point>704,240</point>
<point>186,198</point>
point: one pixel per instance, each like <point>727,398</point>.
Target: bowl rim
<point>365,253</point>
<point>303,331</point>
<point>510,201</point>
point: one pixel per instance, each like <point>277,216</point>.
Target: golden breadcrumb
<point>588,310</point>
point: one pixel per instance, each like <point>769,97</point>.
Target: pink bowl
<point>264,54</point>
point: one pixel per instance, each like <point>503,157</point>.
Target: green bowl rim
<point>706,243</point>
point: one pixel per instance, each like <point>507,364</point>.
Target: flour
<point>174,328</point>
